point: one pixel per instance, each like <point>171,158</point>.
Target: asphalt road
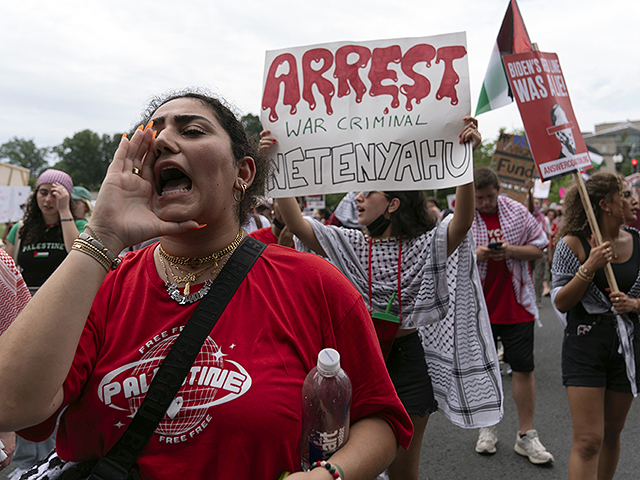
<point>448,451</point>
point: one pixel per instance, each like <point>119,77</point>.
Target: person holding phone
<point>507,238</point>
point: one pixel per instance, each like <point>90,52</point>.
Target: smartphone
<point>495,245</point>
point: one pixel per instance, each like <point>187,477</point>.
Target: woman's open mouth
<point>172,181</point>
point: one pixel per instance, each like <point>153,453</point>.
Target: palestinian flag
<point>512,38</point>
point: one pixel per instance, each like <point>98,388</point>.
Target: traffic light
<point>634,165</point>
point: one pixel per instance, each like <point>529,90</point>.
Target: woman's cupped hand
<point>123,215</point>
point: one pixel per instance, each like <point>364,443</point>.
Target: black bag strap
<point>121,458</point>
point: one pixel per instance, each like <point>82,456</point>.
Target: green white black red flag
<point>512,38</point>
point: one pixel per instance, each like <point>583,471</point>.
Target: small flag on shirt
<point>512,38</point>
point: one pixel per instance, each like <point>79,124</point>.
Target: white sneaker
<point>530,446</point>
<point>486,444</point>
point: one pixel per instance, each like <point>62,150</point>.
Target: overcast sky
<point>69,65</point>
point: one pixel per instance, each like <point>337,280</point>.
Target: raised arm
<point>37,350</point>
<point>465,201</point>
<point>290,210</point>
<point>295,222</point>
<point>67,223</point>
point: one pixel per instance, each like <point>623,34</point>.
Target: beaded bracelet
<point>332,470</point>
<point>67,219</point>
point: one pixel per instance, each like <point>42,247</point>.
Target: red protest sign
<point>541,92</point>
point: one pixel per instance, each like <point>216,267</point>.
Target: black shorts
<point>517,340</point>
<point>408,371</point>
<point>590,355</point>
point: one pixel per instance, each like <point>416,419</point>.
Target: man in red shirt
<point>507,237</point>
<point>278,231</point>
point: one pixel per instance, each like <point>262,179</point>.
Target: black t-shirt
<point>39,260</point>
<point>626,273</point>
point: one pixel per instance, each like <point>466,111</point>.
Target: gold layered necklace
<point>199,265</point>
<point>195,262</point>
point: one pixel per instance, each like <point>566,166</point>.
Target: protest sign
<point>541,189</point>
<point>540,90</point>
<point>12,175</point>
<point>315,201</point>
<point>451,201</point>
<point>514,166</point>
<point>378,115</point>
<point>10,200</point>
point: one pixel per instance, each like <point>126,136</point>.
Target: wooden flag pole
<point>595,229</point>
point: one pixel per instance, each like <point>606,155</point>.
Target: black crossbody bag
<point>119,462</point>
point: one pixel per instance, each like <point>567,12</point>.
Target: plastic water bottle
<point>326,409</point>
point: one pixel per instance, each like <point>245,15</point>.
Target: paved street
<point>448,451</point>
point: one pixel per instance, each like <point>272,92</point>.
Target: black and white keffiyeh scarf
<point>442,298</point>
<point>518,227</point>
<point>565,266</point>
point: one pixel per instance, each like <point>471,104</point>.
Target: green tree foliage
<point>252,126</point>
<point>24,153</point>
<point>332,200</point>
<point>86,157</point>
<point>482,155</point>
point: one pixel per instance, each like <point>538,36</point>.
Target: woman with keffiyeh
<point>600,346</point>
<point>403,257</point>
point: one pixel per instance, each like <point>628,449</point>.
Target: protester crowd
<point>83,328</point>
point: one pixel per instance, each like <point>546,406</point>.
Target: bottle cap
<point>328,362</point>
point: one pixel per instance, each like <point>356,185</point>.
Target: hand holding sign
<point>382,115</point>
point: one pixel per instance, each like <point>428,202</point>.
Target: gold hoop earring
<point>244,191</point>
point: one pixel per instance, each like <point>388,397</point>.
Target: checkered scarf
<point>14,294</point>
<point>519,227</point>
<point>443,298</point>
<point>424,293</point>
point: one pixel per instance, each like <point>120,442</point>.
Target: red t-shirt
<point>238,415</point>
<point>265,235</point>
<point>498,289</point>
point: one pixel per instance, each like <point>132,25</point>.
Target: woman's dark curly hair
<point>413,217</point>
<point>240,143</point>
<point>600,186</point>
<point>34,226</point>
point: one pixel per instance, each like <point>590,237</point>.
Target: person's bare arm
<point>462,216</point>
<point>571,293</point>
<point>371,448</point>
<point>465,200</point>
<point>37,350</point>
<point>8,247</point>
<point>67,223</point>
<point>295,222</point>
<point>519,252</point>
<point>290,210</point>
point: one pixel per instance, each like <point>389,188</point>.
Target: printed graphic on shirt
<point>495,235</point>
<point>213,380</point>
<point>43,246</point>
